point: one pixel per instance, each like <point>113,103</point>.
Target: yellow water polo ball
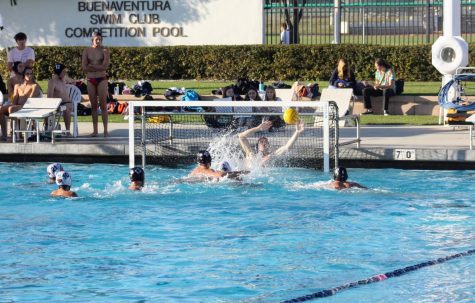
<point>291,116</point>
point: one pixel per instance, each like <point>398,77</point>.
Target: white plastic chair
<point>75,97</point>
<point>343,97</point>
<point>286,94</point>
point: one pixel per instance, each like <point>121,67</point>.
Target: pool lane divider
<point>377,278</point>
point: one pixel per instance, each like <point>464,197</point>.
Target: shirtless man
<point>340,175</point>
<point>57,89</point>
<point>137,178</point>
<point>63,180</point>
<point>95,61</point>
<point>17,78</point>
<point>262,152</point>
<point>204,169</point>
<point>28,89</point>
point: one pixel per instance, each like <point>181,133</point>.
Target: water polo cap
<point>63,178</point>
<point>136,174</point>
<point>340,174</point>
<point>53,169</point>
<point>225,166</point>
<point>203,157</point>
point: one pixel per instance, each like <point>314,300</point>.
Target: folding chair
<point>286,94</point>
<point>75,97</point>
<point>343,97</point>
<point>34,111</point>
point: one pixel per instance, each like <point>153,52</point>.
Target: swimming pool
<point>269,239</point>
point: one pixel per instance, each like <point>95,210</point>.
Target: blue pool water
<point>272,238</point>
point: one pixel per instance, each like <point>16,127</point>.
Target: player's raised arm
<point>299,128</point>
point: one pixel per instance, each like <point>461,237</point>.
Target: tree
<point>293,15</point>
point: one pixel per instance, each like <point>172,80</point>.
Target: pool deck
<point>423,147</point>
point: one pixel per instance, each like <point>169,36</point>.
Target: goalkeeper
<point>262,151</point>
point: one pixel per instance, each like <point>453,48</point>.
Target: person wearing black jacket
<point>343,76</point>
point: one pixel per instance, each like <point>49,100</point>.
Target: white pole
<point>326,137</point>
<point>131,135</point>
<point>452,15</point>
<point>337,22</point>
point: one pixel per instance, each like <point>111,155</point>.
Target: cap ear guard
<point>63,178</point>
<point>136,174</point>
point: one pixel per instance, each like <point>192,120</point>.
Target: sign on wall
<point>134,23</point>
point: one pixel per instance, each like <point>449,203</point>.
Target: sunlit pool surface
<point>278,235</point>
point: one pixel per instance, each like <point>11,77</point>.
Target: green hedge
<point>266,62</point>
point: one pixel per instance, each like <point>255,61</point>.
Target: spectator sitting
<point>18,69</point>
<point>252,95</point>
<point>343,76</point>
<point>57,89</point>
<point>384,85</point>
<point>228,92</point>
<point>28,89</point>
<point>249,121</point>
<point>276,120</point>
<point>22,53</point>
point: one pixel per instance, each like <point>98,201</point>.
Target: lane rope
<point>377,278</point>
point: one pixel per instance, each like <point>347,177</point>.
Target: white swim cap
<point>53,169</point>
<point>63,178</point>
<point>225,166</point>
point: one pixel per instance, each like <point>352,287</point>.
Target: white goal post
<point>318,116</point>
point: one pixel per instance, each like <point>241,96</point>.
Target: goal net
<point>171,133</point>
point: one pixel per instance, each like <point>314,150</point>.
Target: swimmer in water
<point>63,180</point>
<point>137,178</point>
<point>204,169</point>
<point>52,170</point>
<point>263,151</point>
<point>340,175</point>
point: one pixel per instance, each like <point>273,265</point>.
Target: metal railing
<point>363,22</point>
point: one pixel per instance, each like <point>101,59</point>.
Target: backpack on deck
<point>191,95</point>
<point>399,86</point>
<point>112,107</point>
<point>121,106</point>
<point>82,87</point>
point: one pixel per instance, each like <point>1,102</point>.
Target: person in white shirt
<point>284,34</point>
<point>22,53</point>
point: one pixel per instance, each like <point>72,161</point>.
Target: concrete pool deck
<point>425,147</point>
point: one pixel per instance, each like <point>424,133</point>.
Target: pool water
<point>278,235</point>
